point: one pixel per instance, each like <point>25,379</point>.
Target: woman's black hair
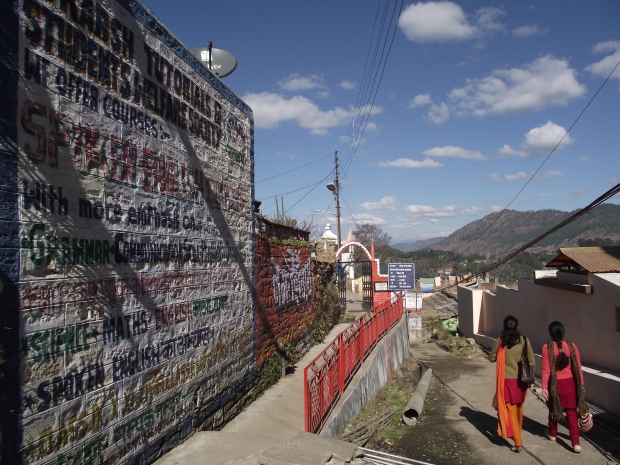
<point>556,331</point>
<point>510,335</point>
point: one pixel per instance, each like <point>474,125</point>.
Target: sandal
<point>516,448</point>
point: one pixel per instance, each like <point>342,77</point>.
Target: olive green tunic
<point>513,357</point>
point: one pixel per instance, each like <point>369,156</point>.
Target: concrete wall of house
<point>590,322</point>
<point>126,236</point>
<point>284,311</point>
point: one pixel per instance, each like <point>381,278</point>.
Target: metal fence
<point>329,374</point>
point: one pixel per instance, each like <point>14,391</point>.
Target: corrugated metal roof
<point>592,259</point>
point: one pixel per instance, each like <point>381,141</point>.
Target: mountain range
<point>500,233</point>
<point>417,245</point>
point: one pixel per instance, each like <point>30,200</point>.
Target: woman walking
<point>509,391</point>
<point>562,383</point>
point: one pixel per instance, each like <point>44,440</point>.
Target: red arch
<point>353,244</point>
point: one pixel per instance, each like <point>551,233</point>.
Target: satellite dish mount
<point>219,62</point>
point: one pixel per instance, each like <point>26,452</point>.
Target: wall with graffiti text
<point>284,310</point>
<point>126,236</point>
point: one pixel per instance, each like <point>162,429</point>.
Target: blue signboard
<point>401,276</point>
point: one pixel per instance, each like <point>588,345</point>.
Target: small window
<point>618,319</point>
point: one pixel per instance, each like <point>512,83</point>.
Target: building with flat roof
<point>583,292</point>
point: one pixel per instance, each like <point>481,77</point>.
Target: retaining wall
<point>389,355</point>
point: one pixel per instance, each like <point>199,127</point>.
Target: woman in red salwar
<point>562,384</point>
<point>509,391</point>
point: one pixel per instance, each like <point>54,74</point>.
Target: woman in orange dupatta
<point>509,391</point>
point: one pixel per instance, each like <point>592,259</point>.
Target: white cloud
<point>547,81</point>
<point>294,82</point>
<point>525,199</point>
<point>408,163</point>
<point>579,193</point>
<point>507,150</point>
<point>454,152</point>
<point>347,85</point>
<point>516,176</point>
<point>525,32</point>
<point>405,223</point>
<point>420,100</point>
<point>549,174</point>
<point>584,159</point>
<point>603,68</point>
<point>271,109</point>
<point>386,203</point>
<point>495,177</point>
<point>446,21</point>
<point>496,208</point>
<point>363,218</point>
<point>473,211</point>
<point>438,113</point>
<point>543,139</point>
<point>435,215</point>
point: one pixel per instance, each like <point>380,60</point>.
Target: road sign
<point>401,276</point>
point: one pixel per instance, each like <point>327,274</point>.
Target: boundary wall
<point>126,237</point>
<point>387,357</point>
<point>590,322</point>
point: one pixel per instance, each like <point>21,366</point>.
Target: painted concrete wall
<point>389,355</point>
<point>126,236</point>
<point>284,311</point>
<point>590,322</point>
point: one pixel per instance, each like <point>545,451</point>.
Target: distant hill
<point>514,229</point>
<point>417,245</point>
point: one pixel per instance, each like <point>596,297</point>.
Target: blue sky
<point>474,97</point>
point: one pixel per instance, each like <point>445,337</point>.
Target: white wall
<point>590,322</point>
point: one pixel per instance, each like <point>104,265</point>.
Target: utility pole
<point>336,181</point>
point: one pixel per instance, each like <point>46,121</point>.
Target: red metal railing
<point>329,374</point>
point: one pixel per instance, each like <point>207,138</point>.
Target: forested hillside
<point>470,248</point>
<point>514,229</point>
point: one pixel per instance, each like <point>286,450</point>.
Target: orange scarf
<point>504,427</point>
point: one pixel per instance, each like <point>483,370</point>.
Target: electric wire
<point>308,193</point>
<point>544,161</point>
<point>606,196</point>
<point>366,70</point>
<point>289,192</point>
<point>294,169</point>
<point>376,89</point>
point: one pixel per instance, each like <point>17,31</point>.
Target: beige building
<point>583,292</point>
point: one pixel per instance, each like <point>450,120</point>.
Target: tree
<point>366,233</point>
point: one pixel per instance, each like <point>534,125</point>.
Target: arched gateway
<point>367,272</point>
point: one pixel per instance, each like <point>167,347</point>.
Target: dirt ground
<point>458,424</point>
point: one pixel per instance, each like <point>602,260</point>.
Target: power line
<point>297,190</point>
<point>308,193</point>
<point>544,161</point>
<point>376,89</point>
<point>294,169</point>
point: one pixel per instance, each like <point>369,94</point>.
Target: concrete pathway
<point>268,431</point>
<point>470,385</point>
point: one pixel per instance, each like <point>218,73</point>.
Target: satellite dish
<point>220,62</point>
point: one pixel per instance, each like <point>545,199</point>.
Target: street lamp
<point>333,188</point>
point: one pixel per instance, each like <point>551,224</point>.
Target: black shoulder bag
<point>526,375</point>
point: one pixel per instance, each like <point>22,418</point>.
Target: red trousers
<point>568,400</point>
